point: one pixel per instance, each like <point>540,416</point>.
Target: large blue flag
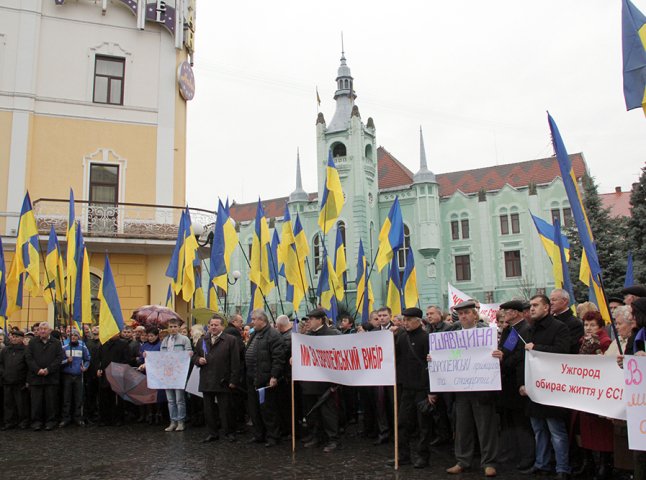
<point>391,235</point>
<point>633,31</point>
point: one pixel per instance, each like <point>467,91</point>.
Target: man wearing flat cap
<point>475,412</point>
<point>325,418</point>
<point>516,428</point>
<point>411,347</point>
<point>632,293</point>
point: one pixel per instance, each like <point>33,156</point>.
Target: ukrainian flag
<point>365,297</point>
<point>294,267</point>
<point>199,300</point>
<point>175,268</point>
<point>110,316</point>
<point>225,240</point>
<point>633,27</point>
<point>340,266</point>
<point>54,269</point>
<point>27,247</point>
<point>391,236</point>
<point>82,298</point>
<point>409,283</point>
<point>259,273</point>
<point>302,245</point>
<point>590,269</point>
<point>332,201</point>
<point>394,297</point>
<point>169,298</point>
<point>559,266</point>
<point>546,233</point>
<point>14,289</point>
<point>70,239</point>
<point>191,260</point>
<point>325,289</point>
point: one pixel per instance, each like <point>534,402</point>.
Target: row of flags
<point>67,283</point>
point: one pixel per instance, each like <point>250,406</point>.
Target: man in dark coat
<point>91,381</point>
<point>560,309</point>
<point>411,348</point>
<point>264,360</point>
<point>218,357</point>
<point>515,425</point>
<point>549,423</point>
<point>13,377</point>
<point>44,356</point>
<point>435,321</point>
<point>239,397</point>
<point>325,418</point>
<point>111,406</point>
<point>284,327</point>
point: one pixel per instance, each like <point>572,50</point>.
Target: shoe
<point>37,427</point>
<point>231,438</point>
<point>80,423</point>
<point>211,438</point>
<point>63,424</point>
<point>312,443</point>
<point>271,442</point>
<point>381,439</point>
<point>535,471</point>
<point>420,464</point>
<point>330,447</point>
<point>180,427</point>
<point>256,440</point>
<point>490,472</point>
<point>455,469</point>
<point>402,461</point>
<point>171,427</point>
<point>49,427</point>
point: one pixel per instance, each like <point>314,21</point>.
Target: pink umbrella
<point>130,384</point>
<point>154,316</point>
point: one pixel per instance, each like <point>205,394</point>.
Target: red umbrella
<point>154,316</point>
<point>130,384</point>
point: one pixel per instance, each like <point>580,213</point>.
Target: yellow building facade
<point>93,98</point>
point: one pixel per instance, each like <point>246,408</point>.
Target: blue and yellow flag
<point>333,312</point>
<point>302,245</point>
<point>274,267</point>
<point>175,268</point>
<point>340,266</point>
<point>54,268</point>
<point>394,297</point>
<point>70,240</point>
<point>391,236</point>
<point>560,269</point>
<point>259,272</point>
<point>199,300</point>
<point>365,297</point>
<point>225,240</point>
<point>181,268</point>
<point>15,284</point>
<point>547,236</point>
<point>110,316</point>
<point>257,300</point>
<point>332,200</point>
<point>409,283</point>
<point>633,30</point>
<point>292,264</point>
<point>325,288</point>
<point>27,247</point>
<point>590,269</point>
<point>82,297</point>
<point>3,287</point>
<point>169,298</point>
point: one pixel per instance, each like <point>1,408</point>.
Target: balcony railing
<point>121,220</point>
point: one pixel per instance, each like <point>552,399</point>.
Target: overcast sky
<point>477,76</point>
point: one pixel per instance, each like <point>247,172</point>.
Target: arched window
<point>368,152</point>
<point>338,150</point>
<point>403,252</point>
<point>95,283</point>
<point>316,252</point>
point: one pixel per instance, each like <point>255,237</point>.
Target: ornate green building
<point>470,228</point>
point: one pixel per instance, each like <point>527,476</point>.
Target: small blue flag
<point>261,395</point>
<point>512,340</point>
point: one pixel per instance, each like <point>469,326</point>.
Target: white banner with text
<point>635,385</point>
<point>167,370</point>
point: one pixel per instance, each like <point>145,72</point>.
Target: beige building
<point>93,97</point>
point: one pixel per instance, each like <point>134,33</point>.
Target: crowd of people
<point>53,378</point>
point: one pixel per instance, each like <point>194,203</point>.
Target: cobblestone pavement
<point>146,452</point>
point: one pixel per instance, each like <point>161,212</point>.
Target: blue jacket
<point>147,347</point>
<point>80,356</point>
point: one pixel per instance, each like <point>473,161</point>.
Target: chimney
<point>617,189</point>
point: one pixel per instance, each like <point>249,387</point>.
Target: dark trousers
<point>44,404</point>
<point>91,397</point>
<point>475,417</point>
<point>264,417</point>
<point>15,405</point>
<point>110,406</point>
<point>285,406</point>
<point>218,414</point>
<point>72,398</point>
<point>324,419</point>
<point>414,426</point>
<point>516,433</point>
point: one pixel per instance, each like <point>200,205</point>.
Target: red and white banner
<point>361,359</point>
<point>589,383</point>
<point>635,385</point>
<point>487,310</point>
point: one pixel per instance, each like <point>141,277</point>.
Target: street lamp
<point>236,276</point>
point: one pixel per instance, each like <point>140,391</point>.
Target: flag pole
<point>40,250</point>
<point>613,324</point>
<point>28,306</point>
<point>395,412</point>
<point>367,280</point>
<point>293,421</point>
<point>309,272</point>
<point>275,266</point>
<point>244,254</point>
<point>300,272</point>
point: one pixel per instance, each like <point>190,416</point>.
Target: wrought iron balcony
<point>121,220</point>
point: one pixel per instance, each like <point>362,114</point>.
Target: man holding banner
<point>547,335</point>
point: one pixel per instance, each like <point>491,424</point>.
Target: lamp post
<point>236,275</point>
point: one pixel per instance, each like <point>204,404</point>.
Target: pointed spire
<point>424,175</point>
<point>344,96</point>
<point>298,195</point>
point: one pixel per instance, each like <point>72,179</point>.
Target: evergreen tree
<point>637,228</point>
<point>610,239</point>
